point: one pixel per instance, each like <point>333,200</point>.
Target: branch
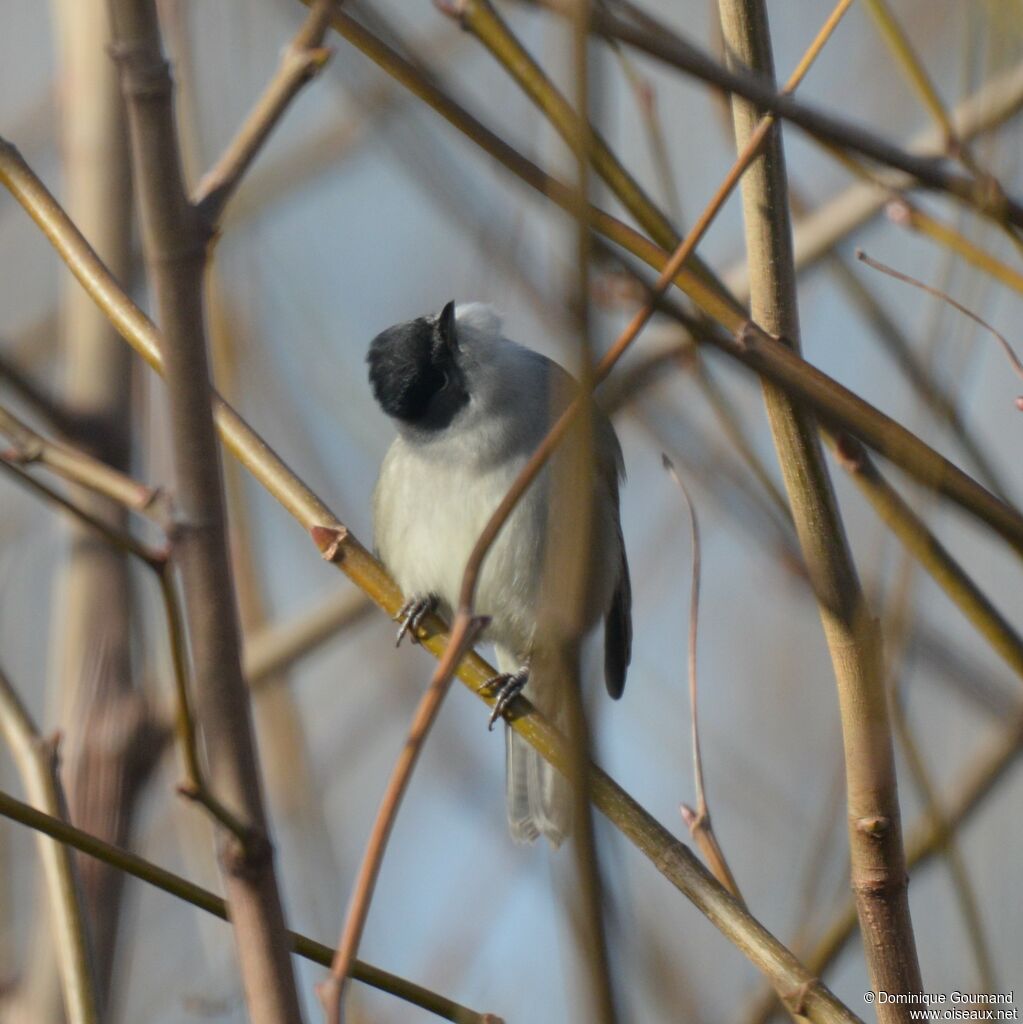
<point>277,647</point>
<point>81,468</point>
<point>982,195</point>
<point>331,992</point>
<point>698,822</point>
<point>671,858</point>
<point>174,241</point>
<point>302,59</point>
<point>806,383</point>
<point>35,760</point>
<point>878,871</point>
<point>209,902</point>
<point>926,841</point>
<point>922,543</point>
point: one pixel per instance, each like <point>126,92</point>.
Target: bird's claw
<point>411,615</point>
<point>505,688</point>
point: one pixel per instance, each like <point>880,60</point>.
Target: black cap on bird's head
<point>414,371</point>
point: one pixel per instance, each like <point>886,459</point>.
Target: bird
<point>470,406</point>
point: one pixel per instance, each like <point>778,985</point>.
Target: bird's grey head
<point>415,372</point>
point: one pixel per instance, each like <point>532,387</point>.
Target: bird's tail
<point>539,797</point>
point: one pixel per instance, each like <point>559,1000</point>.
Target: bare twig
<point>35,759</point>
<point>904,213</point>
<point>1010,354</point>
<point>698,821</point>
<point>331,992</point>
<point>80,467</point>
<point>667,46</point>
<point>279,646</point>
<point>301,60</point>
<point>174,240</point>
<point>671,858</point>
<point>925,842</point>
<point>182,889</point>
<point>875,837</point>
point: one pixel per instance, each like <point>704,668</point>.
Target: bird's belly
<point>427,521</point>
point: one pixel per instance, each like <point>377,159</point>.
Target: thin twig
<point>331,992</point>
<point>189,892</point>
<point>671,858</point>
<point>1010,354</point>
<point>121,539</point>
<point>80,468</point>
<point>35,759</point>
<point>698,821</point>
<point>906,214</point>
<point>302,59</point>
<point>668,46</point>
<point>195,787</point>
<point>279,646</point>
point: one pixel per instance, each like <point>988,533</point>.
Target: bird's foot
<point>411,615</point>
<point>505,688</point>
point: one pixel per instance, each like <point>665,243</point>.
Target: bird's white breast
<point>429,508</point>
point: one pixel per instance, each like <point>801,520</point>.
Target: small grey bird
<point>470,407</point>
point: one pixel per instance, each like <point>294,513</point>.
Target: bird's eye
<point>445,380</point>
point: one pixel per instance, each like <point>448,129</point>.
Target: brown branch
<point>671,858</point>
<point>926,841</point>
<point>982,195</point>
<point>878,868</point>
<point>35,759</point>
<point>1014,361</point>
<point>210,903</point>
<point>30,447</point>
<point>698,821</point>
<point>331,992</point>
<point>174,240</point>
<point>303,58</point>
